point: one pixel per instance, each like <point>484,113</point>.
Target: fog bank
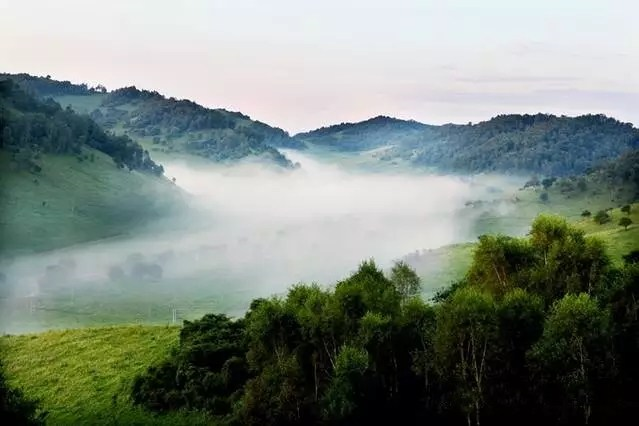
<point>255,231</point>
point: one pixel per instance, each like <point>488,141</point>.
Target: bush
<point>586,213</point>
<point>602,217</point>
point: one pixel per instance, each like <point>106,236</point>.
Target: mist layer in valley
<point>251,231</point>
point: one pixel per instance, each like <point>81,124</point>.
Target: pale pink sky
<point>300,64</point>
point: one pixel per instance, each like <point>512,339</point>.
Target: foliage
<point>536,320</point>
<point>541,143</point>
<point>168,124</point>
<point>405,280</point>
<point>573,355</point>
<point>625,222</point>
<point>30,127</point>
<point>602,217</point>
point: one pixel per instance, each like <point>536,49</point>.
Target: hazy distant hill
<point>541,143</point>
<point>370,134</point>
<point>169,125</point>
<point>64,180</point>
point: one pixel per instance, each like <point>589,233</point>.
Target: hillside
<point>168,125</point>
<point>366,135</point>
<point>534,144</point>
<point>287,358</point>
<point>63,180</point>
<point>83,376</point>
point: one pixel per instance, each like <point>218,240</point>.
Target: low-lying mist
<point>251,231</point>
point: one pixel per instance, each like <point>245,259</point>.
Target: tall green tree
<point>405,280</point>
<point>465,344</point>
<point>574,356</point>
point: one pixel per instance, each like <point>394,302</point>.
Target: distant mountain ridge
<point>539,144</point>
<point>542,144</point>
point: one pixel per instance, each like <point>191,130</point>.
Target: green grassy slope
<point>441,266</point>
<point>76,374</point>
<point>71,202</point>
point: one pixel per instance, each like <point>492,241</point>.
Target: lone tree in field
<point>602,217</point>
<point>586,213</point>
<point>543,197</point>
<point>625,222</point>
<point>626,209</point>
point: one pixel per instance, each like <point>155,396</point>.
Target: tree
<point>464,345</point>
<point>573,355</point>
<point>405,280</point>
<point>602,217</point>
<point>343,396</point>
<point>625,222</point>
<point>626,209</point>
<point>586,213</point>
<point>543,197</point>
<point>520,317</point>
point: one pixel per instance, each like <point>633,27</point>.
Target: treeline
<point>542,330</point>
<point>217,132</point>
<point>30,126</point>
<point>544,144</point>
<point>48,87</point>
<point>369,134</point>
<point>540,143</point>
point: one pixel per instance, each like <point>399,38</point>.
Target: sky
<point>300,64</point>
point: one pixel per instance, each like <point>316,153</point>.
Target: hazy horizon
<point>301,67</point>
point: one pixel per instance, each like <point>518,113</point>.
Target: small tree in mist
<point>626,209</point>
<point>625,222</point>
<point>602,217</point>
<point>405,280</point>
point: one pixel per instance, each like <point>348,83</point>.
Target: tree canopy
<point>541,330</point>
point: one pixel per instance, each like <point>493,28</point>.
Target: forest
<point>542,329</point>
<point>171,125</point>
<point>30,127</point>
<point>542,143</point>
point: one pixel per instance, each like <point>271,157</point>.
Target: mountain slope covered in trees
<point>541,143</point>
<point>64,180</point>
<point>169,125</point>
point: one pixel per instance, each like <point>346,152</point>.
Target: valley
<point>128,214</point>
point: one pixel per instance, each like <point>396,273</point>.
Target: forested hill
<point>370,134</point>
<point>31,127</point>
<point>64,180</point>
<point>622,172</point>
<point>169,125</point>
<point>541,143</point>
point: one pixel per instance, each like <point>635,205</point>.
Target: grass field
<point>441,266</point>
<point>71,202</point>
<point>82,376</point>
